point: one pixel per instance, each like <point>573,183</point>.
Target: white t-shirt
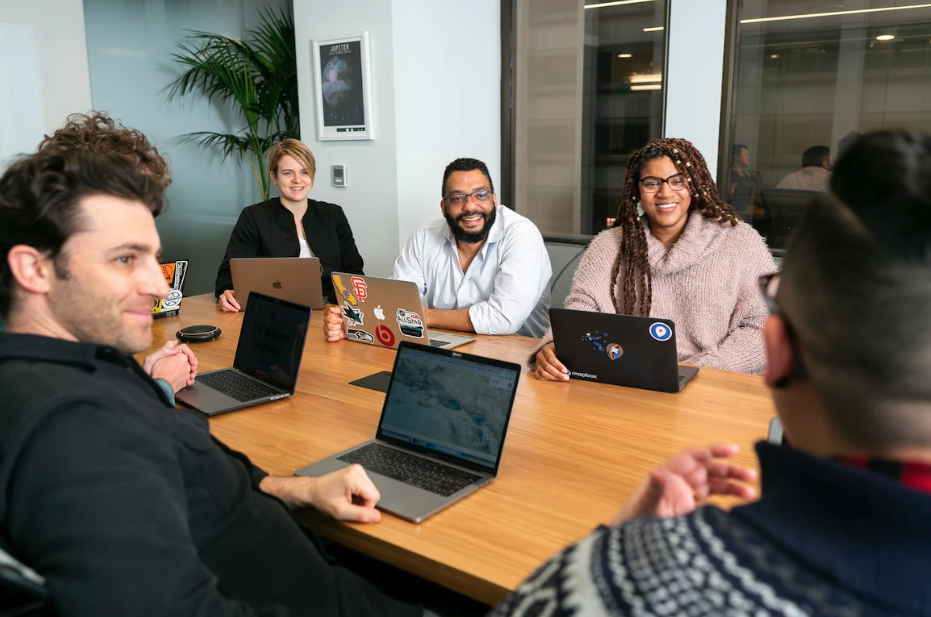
<point>305,248</point>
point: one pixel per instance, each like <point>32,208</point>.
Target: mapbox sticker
<point>358,286</point>
<point>660,331</point>
<point>353,316</point>
<point>385,336</point>
<point>410,324</point>
<point>361,335</point>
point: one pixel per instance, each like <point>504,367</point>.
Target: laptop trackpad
<point>395,495</point>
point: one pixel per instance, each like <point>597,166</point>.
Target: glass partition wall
<point>810,76</point>
<point>587,92</point>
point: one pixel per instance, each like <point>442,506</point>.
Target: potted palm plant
<point>258,77</point>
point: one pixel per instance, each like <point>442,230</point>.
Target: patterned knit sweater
<point>706,283</point>
<point>825,539</point>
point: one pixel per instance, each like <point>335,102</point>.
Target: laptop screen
<point>449,404</point>
<point>272,340</point>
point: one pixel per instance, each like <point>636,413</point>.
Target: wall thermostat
<point>339,176</point>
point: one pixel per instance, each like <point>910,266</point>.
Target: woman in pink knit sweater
<point>689,259</point>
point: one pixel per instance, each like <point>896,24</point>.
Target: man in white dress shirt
<point>483,269</point>
<point>815,174</point>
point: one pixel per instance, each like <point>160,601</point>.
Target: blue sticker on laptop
<point>597,339</point>
<point>360,335</point>
<point>615,351</point>
<point>409,323</point>
<point>660,331</point>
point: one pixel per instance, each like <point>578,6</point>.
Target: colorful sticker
<point>173,272</point>
<point>597,339</point>
<point>353,316</point>
<point>385,336</point>
<point>660,331</point>
<point>358,286</point>
<point>615,351</point>
<point>361,335</point>
<point>173,299</point>
<point>157,308</point>
<point>410,324</point>
<point>345,293</point>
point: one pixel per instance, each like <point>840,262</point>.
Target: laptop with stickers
<point>296,279</point>
<point>385,312</point>
<point>637,352</point>
<point>441,432</point>
<point>174,272</point>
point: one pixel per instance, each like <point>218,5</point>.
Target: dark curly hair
<point>633,254</point>
<point>98,132</point>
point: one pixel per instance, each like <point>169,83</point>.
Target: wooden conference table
<point>574,451</point>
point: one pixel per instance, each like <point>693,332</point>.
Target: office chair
<point>23,593</point>
<point>784,209</point>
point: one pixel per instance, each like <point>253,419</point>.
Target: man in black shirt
<point>125,505</point>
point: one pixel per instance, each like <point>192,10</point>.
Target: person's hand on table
<point>678,485</point>
<point>227,301</point>
<point>548,367</point>
<point>346,495</point>
<point>334,328</point>
<point>179,372</point>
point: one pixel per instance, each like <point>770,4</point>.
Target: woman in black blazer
<point>291,225</point>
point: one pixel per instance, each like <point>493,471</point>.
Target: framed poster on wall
<point>343,84</point>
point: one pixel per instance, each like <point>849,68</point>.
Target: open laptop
<point>291,278</point>
<point>267,361</point>
<point>175,272</point>
<point>441,432</point>
<point>638,352</point>
<point>385,312</point>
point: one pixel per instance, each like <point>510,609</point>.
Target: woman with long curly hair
<point>675,251</point>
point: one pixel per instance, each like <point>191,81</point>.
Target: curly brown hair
<point>633,253</point>
<point>98,132</point>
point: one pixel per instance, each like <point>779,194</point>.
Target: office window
<point>810,75</point>
<point>587,92</point>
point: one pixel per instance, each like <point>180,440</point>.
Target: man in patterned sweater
<point>843,526</point>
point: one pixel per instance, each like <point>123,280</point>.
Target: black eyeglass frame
<point>665,180</point>
<point>798,367</point>
<point>467,196</point>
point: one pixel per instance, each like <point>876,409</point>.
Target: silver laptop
<point>268,358</point>
<point>385,312</point>
<point>441,432</point>
<point>292,278</point>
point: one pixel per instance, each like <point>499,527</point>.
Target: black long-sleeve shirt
<point>267,230</point>
<point>128,506</point>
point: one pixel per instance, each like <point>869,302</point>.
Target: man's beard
<point>471,237</point>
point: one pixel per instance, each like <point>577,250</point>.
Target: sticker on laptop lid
<point>385,336</point>
<point>359,286</point>
<point>660,331</point>
<point>597,339</point>
<point>360,335</point>
<point>353,316</point>
<point>342,291</point>
<point>410,323</point>
<point>173,272</point>
<point>614,351</point>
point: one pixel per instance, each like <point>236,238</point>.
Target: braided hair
<point>633,253</point>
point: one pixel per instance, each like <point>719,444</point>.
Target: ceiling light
<point>646,79</point>
<point>647,87</point>
<point>885,37</point>
<point>625,55</point>
<point>835,13</point>
<point>653,29</point>
<point>774,56</point>
<point>601,5</point>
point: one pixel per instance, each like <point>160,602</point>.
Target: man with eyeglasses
<point>482,268</point>
<point>842,526</point>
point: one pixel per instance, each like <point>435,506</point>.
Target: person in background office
<point>743,182</point>
<point>291,225</point>
<point>687,258</point>
<point>854,401</point>
<point>815,174</point>
<point>481,268</point>
<point>126,505</point>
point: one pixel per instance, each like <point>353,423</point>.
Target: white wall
<point>394,180</point>
<point>52,32</point>
<point>695,73</point>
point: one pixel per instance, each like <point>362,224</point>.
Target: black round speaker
<point>198,334</point>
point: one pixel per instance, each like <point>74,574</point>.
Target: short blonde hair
<point>296,150</point>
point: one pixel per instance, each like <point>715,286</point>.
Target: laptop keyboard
<point>409,469</point>
<point>237,386</point>
<point>434,343</point>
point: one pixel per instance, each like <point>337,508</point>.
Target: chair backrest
<point>784,208</point>
<point>23,593</point>
<point>565,254</point>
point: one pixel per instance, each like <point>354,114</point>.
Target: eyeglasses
<point>676,182</point>
<point>769,286</point>
<point>461,199</point>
